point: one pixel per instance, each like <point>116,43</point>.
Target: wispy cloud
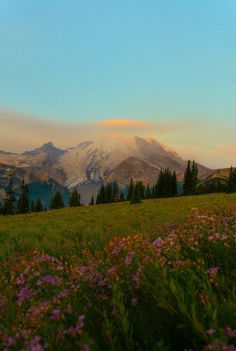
<point>127,123</point>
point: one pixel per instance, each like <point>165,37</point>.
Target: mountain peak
<point>52,152</point>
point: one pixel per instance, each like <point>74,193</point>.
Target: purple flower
<point>128,259</point>
<point>213,270</point>
<point>211,331</point>
<point>230,332</point>
<point>158,242</point>
<point>55,315</point>
<point>23,294</point>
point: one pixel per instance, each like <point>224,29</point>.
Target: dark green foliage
<point>166,184</point>
<point>190,178</point>
<point>130,190</point>
<point>148,193</point>
<point>57,202</point>
<point>39,205</point>
<point>9,202</point>
<point>23,201</point>
<point>174,184</point>
<point>122,196</point>
<point>74,200</point>
<point>212,186</point>
<point>231,183</point>
<point>109,193</point>
<point>92,201</point>
<point>138,193</point>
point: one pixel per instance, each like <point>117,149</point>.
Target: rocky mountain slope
<point>109,158</point>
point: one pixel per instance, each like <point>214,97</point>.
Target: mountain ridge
<point>111,157</point>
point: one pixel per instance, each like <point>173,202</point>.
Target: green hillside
<point>73,228</point>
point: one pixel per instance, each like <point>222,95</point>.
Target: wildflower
<point>230,332</point>
<point>55,314</point>
<point>158,242</point>
<point>213,271</point>
<point>23,294</point>
<point>211,331</point>
<point>134,301</point>
<point>128,259</point>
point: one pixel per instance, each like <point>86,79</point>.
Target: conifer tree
<point>23,201</point>
<point>137,194</point>
<point>92,201</point>
<point>38,205</point>
<point>115,192</point>
<point>174,190</point>
<point>130,190</point>
<point>187,186</point>
<point>231,182</point>
<point>8,206</point>
<point>194,177</point>
<point>57,202</point>
<point>122,196</point>
<point>74,200</point>
<point>147,192</point>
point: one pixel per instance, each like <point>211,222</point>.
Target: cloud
<point>210,143</point>
<point>127,123</point>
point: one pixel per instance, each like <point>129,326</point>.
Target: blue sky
<point>130,59</point>
<point>165,69</point>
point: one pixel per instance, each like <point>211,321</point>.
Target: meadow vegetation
<point>159,275</point>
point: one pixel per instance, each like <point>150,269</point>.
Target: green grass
<point>52,231</point>
<point>156,276</point>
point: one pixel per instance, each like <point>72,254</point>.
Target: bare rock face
<point>112,157</point>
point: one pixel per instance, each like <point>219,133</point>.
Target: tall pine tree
<point>130,190</point>
<point>74,200</point>
<point>23,201</point>
<point>9,202</point>
<point>57,202</point>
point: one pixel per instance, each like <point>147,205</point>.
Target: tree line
<point>166,186</point>
<point>21,205</point>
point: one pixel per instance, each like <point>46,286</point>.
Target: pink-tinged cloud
<point>128,123</point>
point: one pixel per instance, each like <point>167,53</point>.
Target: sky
<point>164,68</point>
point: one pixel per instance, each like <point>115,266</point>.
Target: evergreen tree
<point>39,205</point>
<point>231,183</point>
<point>174,190</point>
<point>130,190</point>
<point>194,177</point>
<point>148,192</point>
<point>57,202</point>
<point>137,194</point>
<point>92,201</point>
<point>115,192</point>
<point>8,206</point>
<point>23,201</point>
<point>187,186</point>
<point>74,200</point>
<point>1,208</point>
<point>108,193</point>
<point>122,196</point>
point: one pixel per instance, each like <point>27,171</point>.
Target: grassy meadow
<point>158,276</point>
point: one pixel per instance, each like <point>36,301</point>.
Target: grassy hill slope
<point>69,230</point>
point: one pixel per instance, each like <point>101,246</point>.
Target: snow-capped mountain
<point>112,157</point>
